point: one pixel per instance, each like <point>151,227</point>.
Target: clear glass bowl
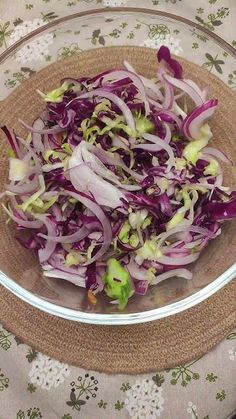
<point>71,35</point>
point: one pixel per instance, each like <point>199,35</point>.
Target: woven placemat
<point>128,349</point>
<point>124,349</point>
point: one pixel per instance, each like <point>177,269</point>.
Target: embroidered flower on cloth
<point>47,373</point>
<point>144,400</point>
<point>169,41</point>
<point>232,354</point>
<point>114,3</point>
<point>34,50</point>
<point>191,410</point>
<point>24,28</point>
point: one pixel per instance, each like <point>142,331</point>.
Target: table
<point>34,386</point>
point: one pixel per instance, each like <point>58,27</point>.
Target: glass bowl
<point>66,37</point>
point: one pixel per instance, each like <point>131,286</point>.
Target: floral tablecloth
<point>34,386</point>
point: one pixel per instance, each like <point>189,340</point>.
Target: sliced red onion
<point>183,273</point>
<point>158,145</point>
<point>15,208</point>
<point>149,147</point>
<point>193,244</point>
<point>167,137</point>
<point>191,209</point>
<point>210,186</point>
<point>147,82</point>
<point>23,223</point>
<point>56,211</point>
<point>98,212</point>
<point>179,229</point>
<point>195,119</point>
<point>13,141</point>
<point>74,279</point>
<point>5,193</point>
<point>100,169</point>
<point>179,95</point>
<point>119,141</point>
<point>113,160</point>
<point>95,235</point>
<point>27,157</point>
<point>56,129</point>
<point>169,95</point>
<point>155,104</point>
<point>84,179</point>
<point>122,74</point>
<point>185,87</point>
<point>132,173</point>
<point>25,188</point>
<point>168,116</point>
<point>179,111</point>
<point>172,250</point>
<point>55,262</point>
<point>78,235</point>
<point>49,167</point>
<point>219,181</point>
<point>136,271</point>
<point>200,230</point>
<point>38,125</point>
<point>26,202</point>
<point>216,153</point>
<point>44,254</point>
<point>176,261</point>
<point>130,188</point>
<point>31,154</point>
<point>153,96</point>
<point>201,93</point>
<point>46,141</point>
<point>50,194</point>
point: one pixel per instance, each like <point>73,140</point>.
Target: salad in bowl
<point>115,187</point>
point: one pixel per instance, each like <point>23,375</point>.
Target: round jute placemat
<point>116,349</point>
<point>133,349</point>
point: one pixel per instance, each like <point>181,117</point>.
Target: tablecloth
<point>34,386</point>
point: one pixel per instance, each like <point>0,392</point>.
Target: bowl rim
<point>118,318</point>
<point>116,10</point>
